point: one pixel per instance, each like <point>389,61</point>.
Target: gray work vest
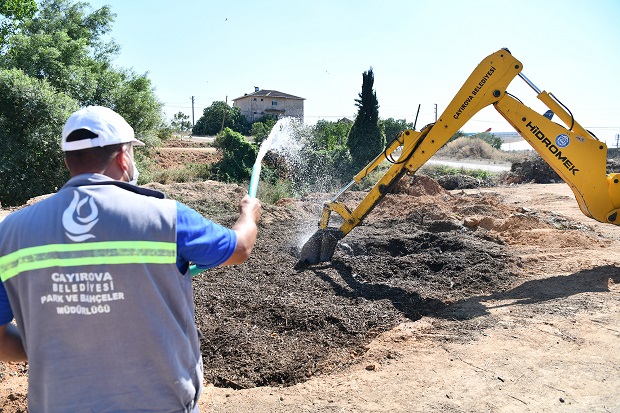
<point>106,318</point>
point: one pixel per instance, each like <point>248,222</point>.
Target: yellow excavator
<point>577,156</point>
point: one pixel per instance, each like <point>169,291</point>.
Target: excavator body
<point>574,153</point>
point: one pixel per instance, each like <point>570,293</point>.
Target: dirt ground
<point>519,314</point>
<point>504,299</point>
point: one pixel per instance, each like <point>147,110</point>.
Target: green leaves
<point>32,115</point>
<point>17,8</point>
<point>262,128</point>
<point>366,139</point>
<point>52,63</point>
<point>330,135</point>
<point>12,12</point>
<point>134,98</point>
<point>64,45</point>
<point>180,123</point>
<point>393,127</point>
<point>238,156</point>
<point>217,117</point>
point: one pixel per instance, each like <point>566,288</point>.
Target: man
<point>97,277</point>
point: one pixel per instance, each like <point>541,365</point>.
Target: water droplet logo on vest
<point>77,226</point>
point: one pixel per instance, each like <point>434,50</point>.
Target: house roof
<point>269,94</point>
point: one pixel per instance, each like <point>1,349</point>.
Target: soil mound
<point>460,181</point>
<point>265,323</point>
<point>533,169</point>
<point>418,185</point>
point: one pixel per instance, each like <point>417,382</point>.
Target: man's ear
<point>121,159</point>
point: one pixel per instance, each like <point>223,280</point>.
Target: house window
<point>274,103</point>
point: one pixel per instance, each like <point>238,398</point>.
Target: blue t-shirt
<point>6,314</point>
<point>199,240</point>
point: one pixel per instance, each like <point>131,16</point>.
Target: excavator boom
<point>575,154</point>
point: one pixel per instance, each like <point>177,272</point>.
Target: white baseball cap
<point>106,127</point>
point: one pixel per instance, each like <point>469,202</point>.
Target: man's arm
<point>207,244</point>
<point>246,229</point>
<point>11,348</point>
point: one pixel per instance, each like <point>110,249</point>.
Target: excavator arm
<point>573,152</point>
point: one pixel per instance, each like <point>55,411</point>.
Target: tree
<point>64,45</point>
<point>55,62</point>
<point>491,139</point>
<point>219,116</point>
<point>262,128</point>
<point>393,127</point>
<point>366,140</point>
<point>330,135</point>
<point>134,98</point>
<point>180,123</point>
<point>12,12</point>
<point>32,114</point>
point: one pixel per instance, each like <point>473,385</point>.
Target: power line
<point>176,106</point>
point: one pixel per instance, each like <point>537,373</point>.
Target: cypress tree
<point>366,140</point>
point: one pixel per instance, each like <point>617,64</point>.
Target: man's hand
<point>250,206</point>
<point>246,229</point>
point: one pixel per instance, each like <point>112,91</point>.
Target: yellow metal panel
<point>571,151</point>
<point>486,84</point>
<point>579,160</point>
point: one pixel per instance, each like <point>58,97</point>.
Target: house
<point>269,102</point>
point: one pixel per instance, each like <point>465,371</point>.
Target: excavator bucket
<point>320,247</point>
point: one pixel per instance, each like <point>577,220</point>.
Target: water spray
<point>280,129</point>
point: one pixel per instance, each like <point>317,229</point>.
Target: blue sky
<point>421,51</point>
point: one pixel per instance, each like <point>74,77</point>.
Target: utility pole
<point>193,124</point>
<point>435,112</point>
<point>224,115</point>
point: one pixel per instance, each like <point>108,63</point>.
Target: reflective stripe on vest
<point>92,253</point>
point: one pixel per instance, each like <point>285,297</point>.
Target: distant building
<point>269,102</point>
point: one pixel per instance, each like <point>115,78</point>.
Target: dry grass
<point>472,148</point>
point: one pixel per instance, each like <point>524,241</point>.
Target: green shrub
<point>272,192</point>
<point>262,128</point>
<point>32,115</point>
<point>238,157</point>
<point>436,171</point>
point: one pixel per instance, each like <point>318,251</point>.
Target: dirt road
<point>466,164</point>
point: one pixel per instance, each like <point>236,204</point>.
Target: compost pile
<point>267,323</point>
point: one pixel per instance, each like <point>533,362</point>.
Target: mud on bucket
<point>320,247</point>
